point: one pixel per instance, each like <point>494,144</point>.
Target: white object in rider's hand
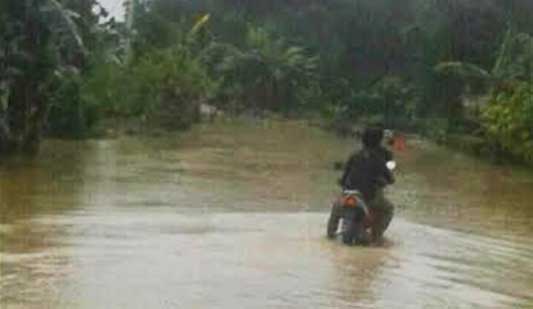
<point>391,165</point>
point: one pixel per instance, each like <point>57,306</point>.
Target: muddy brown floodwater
<point>232,215</point>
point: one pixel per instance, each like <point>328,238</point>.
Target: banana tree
<point>40,39</point>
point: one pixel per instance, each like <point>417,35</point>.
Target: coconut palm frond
<point>463,70</point>
<point>201,23</point>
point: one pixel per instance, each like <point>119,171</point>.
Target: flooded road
<point>232,215</point>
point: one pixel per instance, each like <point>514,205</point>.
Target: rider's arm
<point>387,173</point>
<point>385,176</point>
<point>389,176</point>
<point>347,171</point>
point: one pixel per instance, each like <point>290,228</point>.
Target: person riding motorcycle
<point>366,171</point>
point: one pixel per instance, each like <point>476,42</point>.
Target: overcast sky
<point>114,7</point>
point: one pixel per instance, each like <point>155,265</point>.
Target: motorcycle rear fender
<point>356,214</point>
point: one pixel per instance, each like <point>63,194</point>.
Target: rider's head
<point>372,136</point>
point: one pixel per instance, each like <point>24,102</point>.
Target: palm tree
<point>267,73</point>
<point>513,62</point>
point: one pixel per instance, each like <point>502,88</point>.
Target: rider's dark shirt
<point>367,171</point>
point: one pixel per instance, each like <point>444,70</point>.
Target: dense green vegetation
<point>443,67</point>
<point>45,49</point>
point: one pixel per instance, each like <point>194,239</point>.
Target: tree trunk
<point>20,128</point>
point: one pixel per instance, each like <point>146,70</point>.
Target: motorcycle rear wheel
<point>333,221</point>
<point>349,231</point>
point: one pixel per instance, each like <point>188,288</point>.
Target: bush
<point>110,86</point>
<point>165,85</point>
<point>392,100</point>
<point>508,120</point>
<point>69,114</point>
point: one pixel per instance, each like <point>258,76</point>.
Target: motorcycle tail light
<point>350,201</point>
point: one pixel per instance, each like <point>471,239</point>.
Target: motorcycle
<point>355,218</point>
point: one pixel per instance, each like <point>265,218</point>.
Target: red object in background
<point>398,143</point>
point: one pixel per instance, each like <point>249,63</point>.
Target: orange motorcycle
<point>355,218</point>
